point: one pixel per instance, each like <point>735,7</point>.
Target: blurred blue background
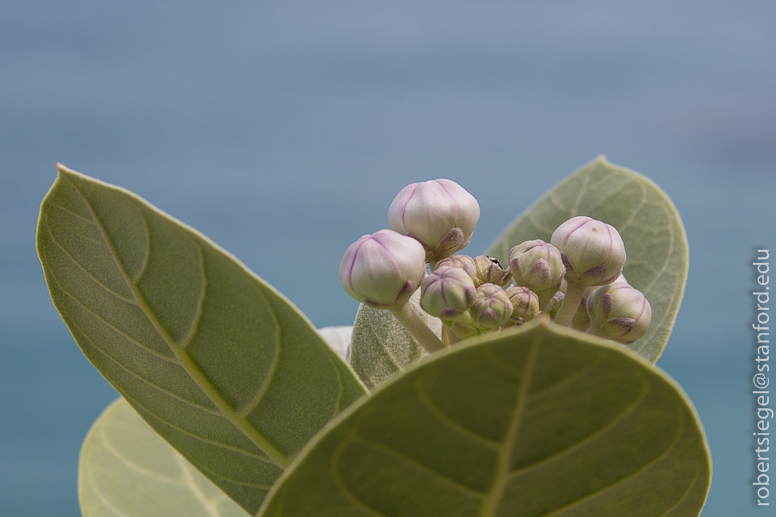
<point>283,130</point>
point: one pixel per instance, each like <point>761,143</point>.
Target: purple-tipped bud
<point>382,269</point>
<point>464,262</point>
<point>525,304</point>
<point>440,214</point>
<point>592,251</point>
<point>619,312</point>
<point>536,265</point>
<point>489,271</point>
<point>492,307</point>
<point>447,293</point>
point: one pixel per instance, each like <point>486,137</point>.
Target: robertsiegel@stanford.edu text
<point>761,379</point>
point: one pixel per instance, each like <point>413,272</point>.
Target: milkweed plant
<point>517,382</point>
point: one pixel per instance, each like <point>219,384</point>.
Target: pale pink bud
<point>525,304</point>
<point>536,265</point>
<point>440,214</point>
<point>447,293</point>
<point>592,251</point>
<point>464,262</point>
<point>383,269</point>
<point>492,307</point>
<point>619,312</point>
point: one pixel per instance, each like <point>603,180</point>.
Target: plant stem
<point>568,308</point>
<point>412,322</point>
<point>445,336</point>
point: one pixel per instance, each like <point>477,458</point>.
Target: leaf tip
<point>601,158</point>
<point>66,171</point>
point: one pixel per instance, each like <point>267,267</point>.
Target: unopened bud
<point>447,293</point>
<point>492,307</point>
<point>489,271</point>
<point>554,304</point>
<point>619,312</point>
<point>525,304</point>
<point>440,214</point>
<point>463,331</point>
<point>592,251</point>
<point>382,269</point>
<point>464,262</point>
<point>536,265</point>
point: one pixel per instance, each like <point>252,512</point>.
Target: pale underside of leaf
<point>382,347</point>
<point>654,237</point>
<point>127,470</point>
<point>217,361</point>
<point>536,422</point>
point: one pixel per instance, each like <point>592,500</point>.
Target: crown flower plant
<point>458,387</point>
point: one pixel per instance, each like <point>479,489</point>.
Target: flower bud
<point>619,312</point>
<point>492,307</point>
<point>464,262</point>
<point>525,304</point>
<point>447,293</point>
<point>440,214</point>
<point>382,269</point>
<point>592,251</point>
<point>462,331</point>
<point>489,271</point>
<point>554,304</point>
<point>536,265</point>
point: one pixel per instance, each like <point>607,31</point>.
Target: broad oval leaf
<point>213,358</point>
<point>126,469</point>
<point>536,421</point>
<point>646,218</point>
<point>382,347</point>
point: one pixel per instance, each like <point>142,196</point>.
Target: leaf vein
<point>449,422</point>
<point>418,465</point>
<point>491,503</point>
<point>132,466</point>
<point>339,481</point>
<point>576,446</point>
<point>251,432</point>
<point>106,322</point>
<point>633,475</point>
<point>82,268</point>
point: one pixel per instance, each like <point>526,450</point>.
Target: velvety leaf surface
<point>650,227</point>
<point>213,358</point>
<point>382,347</point>
<point>127,470</point>
<point>536,421</point>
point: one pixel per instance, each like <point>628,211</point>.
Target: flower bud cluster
<point>575,279</point>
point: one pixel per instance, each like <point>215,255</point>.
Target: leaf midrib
<point>183,358</point>
<point>491,502</point>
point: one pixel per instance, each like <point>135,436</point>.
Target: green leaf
<point>654,237</point>
<point>213,358</point>
<point>126,469</point>
<point>382,347</point>
<point>535,421</point>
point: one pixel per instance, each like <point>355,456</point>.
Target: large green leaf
<point>535,421</point>
<point>382,347</point>
<point>654,237</point>
<point>126,469</point>
<point>213,358</point>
